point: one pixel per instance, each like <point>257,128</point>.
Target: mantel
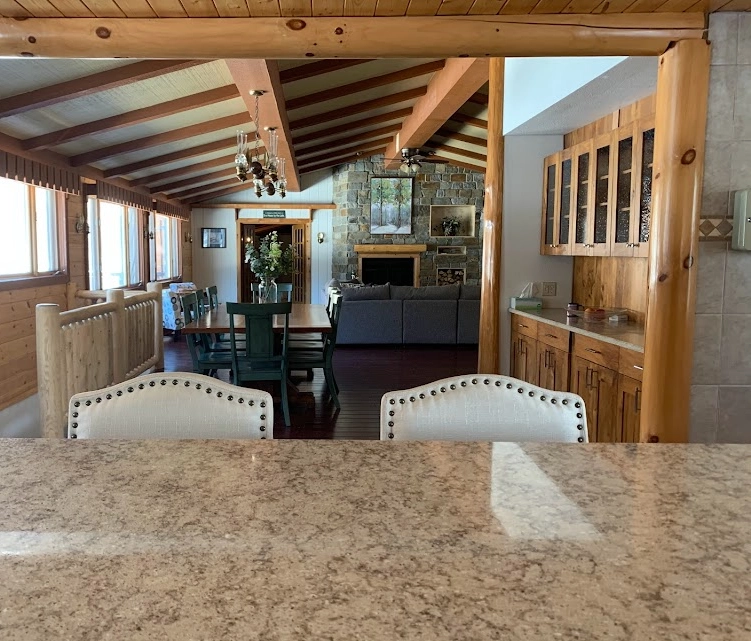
<point>390,249</point>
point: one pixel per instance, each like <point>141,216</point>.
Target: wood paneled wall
<point>609,281</point>
<point>612,281</point>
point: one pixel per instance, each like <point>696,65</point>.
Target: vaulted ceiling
<point>169,127</point>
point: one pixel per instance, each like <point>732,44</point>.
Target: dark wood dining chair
<point>205,359</point>
<point>257,359</point>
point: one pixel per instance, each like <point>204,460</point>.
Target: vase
<point>267,290</point>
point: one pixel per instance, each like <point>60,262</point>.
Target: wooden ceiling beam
<point>181,195</point>
<point>174,135</point>
<point>332,93</point>
<point>135,117</point>
<point>448,90</point>
<point>353,149</point>
<point>479,99</point>
<point>460,163</point>
<point>455,135</point>
<point>153,179</point>
<point>86,85</point>
<point>264,74</point>
<point>357,108</point>
<point>397,114</point>
<point>469,120</point>
<point>627,34</point>
<point>313,69</point>
<point>448,149</point>
<point>333,163</point>
<point>339,142</point>
<point>164,159</point>
<point>227,172</point>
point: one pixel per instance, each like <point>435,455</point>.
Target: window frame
<point>61,275</point>
<point>178,249</point>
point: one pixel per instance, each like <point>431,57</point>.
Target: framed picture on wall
<point>214,237</point>
<point>390,205</point>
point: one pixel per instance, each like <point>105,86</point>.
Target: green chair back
<point>213,296</point>
<point>259,329</point>
<point>284,291</point>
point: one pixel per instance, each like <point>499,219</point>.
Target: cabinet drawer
<point>554,336</point>
<point>596,351</point>
<point>523,325</point>
<point>631,363</point>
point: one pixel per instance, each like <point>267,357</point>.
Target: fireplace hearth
<point>394,270</point>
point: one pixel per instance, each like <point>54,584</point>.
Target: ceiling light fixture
<point>267,176</point>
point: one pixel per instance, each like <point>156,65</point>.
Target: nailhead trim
<point>391,435</point>
<point>391,413</point>
<point>580,440</point>
<point>152,383</point>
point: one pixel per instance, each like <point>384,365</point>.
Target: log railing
<point>95,346</point>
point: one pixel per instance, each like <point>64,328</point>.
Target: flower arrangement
<point>271,259</point>
<point>450,225</point>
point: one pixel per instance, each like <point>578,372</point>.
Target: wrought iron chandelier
<point>267,176</point>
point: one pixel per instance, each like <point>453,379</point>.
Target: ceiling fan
<point>411,159</point>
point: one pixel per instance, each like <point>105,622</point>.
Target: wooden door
<point>300,275</point>
<point>552,368</point>
<point>642,213</point>
<point>629,409</point>
<point>598,386</point>
<point>582,198</point>
<point>523,358</point>
<point>600,222</point>
<point>623,192</point>
<point>550,195</point>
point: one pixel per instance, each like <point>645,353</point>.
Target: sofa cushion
<point>468,321</point>
<point>430,321</point>
<point>370,322</point>
<point>470,292</point>
<point>432,292</point>
<point>371,292</point>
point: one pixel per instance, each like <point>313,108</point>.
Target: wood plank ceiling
<point>303,8</point>
<point>169,126</point>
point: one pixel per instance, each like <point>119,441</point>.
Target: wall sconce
<point>188,237</point>
<point>320,236</point>
<point>82,227</point>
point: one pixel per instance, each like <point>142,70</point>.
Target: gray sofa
<point>395,315</point>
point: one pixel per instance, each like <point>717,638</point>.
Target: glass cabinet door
<point>551,170</point>
<point>583,169</point>
<point>644,158</point>
<point>599,245</point>
<point>623,194</point>
<point>564,211</point>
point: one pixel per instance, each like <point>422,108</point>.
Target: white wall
<point>21,419</point>
<point>531,85</point>
<point>315,187</point>
<point>321,254</point>
<point>521,261</point>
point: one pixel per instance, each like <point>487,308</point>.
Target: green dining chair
<point>284,291</point>
<point>257,360</point>
<point>205,361</point>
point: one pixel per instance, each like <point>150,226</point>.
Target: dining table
<point>365,540</point>
<point>303,318</point>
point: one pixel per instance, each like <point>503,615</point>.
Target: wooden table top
<point>290,540</point>
<point>304,318</point>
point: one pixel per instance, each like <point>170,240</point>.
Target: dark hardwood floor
<point>364,374</point>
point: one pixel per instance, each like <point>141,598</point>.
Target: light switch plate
<point>549,288</point>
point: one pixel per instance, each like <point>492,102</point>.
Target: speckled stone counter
<point>345,541</point>
<point>628,335</point>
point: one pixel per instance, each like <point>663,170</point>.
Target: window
<point>114,245</point>
<point>165,254</point>
<point>29,244</point>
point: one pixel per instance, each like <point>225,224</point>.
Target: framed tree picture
<point>213,237</point>
<point>390,205</point>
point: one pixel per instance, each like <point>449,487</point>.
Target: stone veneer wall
<point>435,184</point>
<point>721,393</point>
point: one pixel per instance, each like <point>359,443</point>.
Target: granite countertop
<point>347,540</point>
<point>628,335</point>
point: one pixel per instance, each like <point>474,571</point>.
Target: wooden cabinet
<point>523,357</point>
<point>552,367</point>
<point>629,409</point>
<point>598,386</point>
<point>597,195</point>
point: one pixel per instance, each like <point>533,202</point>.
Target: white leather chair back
<point>172,405</point>
<point>483,407</point>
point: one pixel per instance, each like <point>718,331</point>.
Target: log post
<point>119,343</point>
<point>680,122</point>
<point>50,371</point>
<point>156,288</point>
<point>488,361</point>
<point>71,289</point>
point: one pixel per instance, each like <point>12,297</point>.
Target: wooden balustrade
<point>95,346</point>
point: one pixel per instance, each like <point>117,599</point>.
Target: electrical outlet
<point>549,289</point>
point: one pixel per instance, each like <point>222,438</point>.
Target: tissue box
<point>526,303</point>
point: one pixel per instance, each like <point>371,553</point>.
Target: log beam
<point>448,90</point>
<point>489,352</point>
<point>365,37</point>
<point>680,124</point>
